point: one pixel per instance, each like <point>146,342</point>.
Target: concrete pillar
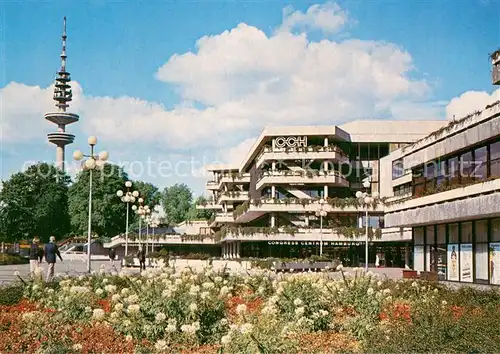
<point>60,157</point>
<point>306,220</point>
<point>273,144</point>
<point>325,165</point>
<point>232,244</point>
<point>273,220</point>
<point>325,192</point>
<point>238,249</point>
<point>326,141</point>
<point>273,166</point>
<point>273,192</point>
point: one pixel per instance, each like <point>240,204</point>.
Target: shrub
<point>10,259</point>
<point>11,295</point>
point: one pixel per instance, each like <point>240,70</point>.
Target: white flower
<point>133,309</point>
<point>161,345</point>
<point>128,338</point>
<point>193,307</point>
<point>205,295</point>
<point>370,291</point>
<point>444,302</point>
<point>166,293</point>
<point>387,291</point>
<point>125,291</point>
<point>160,317</point>
<point>297,302</point>
<point>299,311</point>
<point>208,285</point>
<point>414,284</point>
<point>218,279</point>
<point>224,291</point>
<point>77,346</point>
<point>389,298</point>
<point>194,289</point>
<point>225,339</point>
<point>246,328</point>
<point>99,292</point>
<point>98,314</point>
<point>379,283</point>
<point>132,299</point>
<point>224,321</point>
<point>88,309</point>
<point>115,297</point>
<point>436,290</point>
<point>241,309</point>
<point>171,328</point>
<point>119,307</point>
<point>110,288</point>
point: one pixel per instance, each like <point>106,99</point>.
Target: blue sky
<point>428,52</point>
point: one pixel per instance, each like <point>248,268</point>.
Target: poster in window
<point>495,263</point>
<point>466,262</point>
<point>453,262</point>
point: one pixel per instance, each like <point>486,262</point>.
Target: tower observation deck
<point>62,95</point>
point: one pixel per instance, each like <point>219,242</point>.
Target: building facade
<point>446,188</point>
<point>269,204</point>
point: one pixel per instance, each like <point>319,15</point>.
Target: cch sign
<point>290,141</point>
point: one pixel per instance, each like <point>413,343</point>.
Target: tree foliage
<point>35,203</point>
<point>108,212</point>
<point>199,214</point>
<point>177,201</point>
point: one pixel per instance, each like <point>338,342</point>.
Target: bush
<point>10,259</point>
<point>11,295</point>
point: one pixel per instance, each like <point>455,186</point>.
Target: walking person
<point>51,251</point>
<point>36,255</point>
<point>142,258</point>
<point>112,257</point>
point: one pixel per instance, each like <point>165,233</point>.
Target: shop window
<point>441,234</point>
<point>418,235</point>
<point>466,236</point>
<point>495,230</point>
<point>429,235</point>
<point>453,233</point>
<point>481,231</point>
<point>481,259</point>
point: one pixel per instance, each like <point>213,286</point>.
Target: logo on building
<point>290,141</point>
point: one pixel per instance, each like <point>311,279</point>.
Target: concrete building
<point>62,95</point>
<point>268,205</point>
<point>446,188</point>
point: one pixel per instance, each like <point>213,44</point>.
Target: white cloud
<point>236,154</point>
<point>469,102</point>
<point>328,18</point>
<point>244,79</point>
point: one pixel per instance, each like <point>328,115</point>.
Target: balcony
<point>236,196</point>
<point>322,153</point>
<point>469,202</point>
<point>302,177</point>
<point>209,206</point>
<point>336,236</point>
<point>258,207</point>
<point>213,186</point>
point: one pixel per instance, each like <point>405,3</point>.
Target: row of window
<point>476,164</point>
<point>466,251</point>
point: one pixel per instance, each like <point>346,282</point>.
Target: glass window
<point>495,151</point>
<point>418,190</point>
<point>453,233</point>
<point>495,168</point>
<point>481,265</point>
<point>441,234</point>
<point>466,232</point>
<point>482,231</point>
<point>397,168</point>
<point>418,258</point>
<point>430,170</point>
<point>495,230</point>
<point>480,170</point>
<point>429,235</point>
<point>454,170</point>
<point>418,235</point>
<point>466,167</point>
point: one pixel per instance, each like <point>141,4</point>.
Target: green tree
<point>148,191</point>
<point>35,203</point>
<point>108,211</point>
<point>176,203</point>
<point>199,214</point>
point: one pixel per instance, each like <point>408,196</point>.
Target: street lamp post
<point>154,223</point>
<point>367,200</point>
<point>127,197</point>
<point>321,213</point>
<point>141,210</point>
<point>93,161</point>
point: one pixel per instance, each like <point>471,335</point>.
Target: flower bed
<point>163,311</point>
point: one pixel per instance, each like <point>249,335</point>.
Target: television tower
<point>62,96</point>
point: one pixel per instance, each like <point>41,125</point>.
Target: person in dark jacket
<point>142,258</point>
<point>36,255</point>
<point>51,251</point>
<point>112,256</point>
